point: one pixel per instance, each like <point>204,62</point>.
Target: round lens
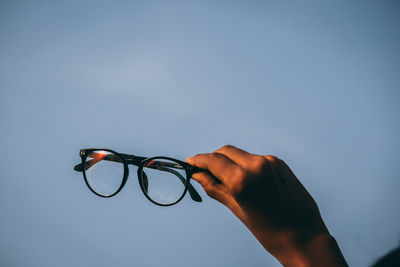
<point>104,172</point>
<point>164,181</point>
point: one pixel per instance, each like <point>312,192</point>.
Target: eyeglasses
<point>163,180</point>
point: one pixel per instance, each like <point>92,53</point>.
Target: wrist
<point>317,250</point>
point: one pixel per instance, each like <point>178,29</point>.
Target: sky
<point>315,83</point>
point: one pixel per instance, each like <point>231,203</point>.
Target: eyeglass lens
<point>104,172</point>
<point>164,180</point>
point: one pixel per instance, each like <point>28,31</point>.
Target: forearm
<point>315,247</point>
<point>294,250</point>
<point>321,250</point>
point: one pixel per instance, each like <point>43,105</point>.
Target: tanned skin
<point>267,197</point>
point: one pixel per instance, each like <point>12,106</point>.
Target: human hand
<point>267,197</point>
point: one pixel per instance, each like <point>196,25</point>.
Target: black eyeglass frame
<point>140,162</point>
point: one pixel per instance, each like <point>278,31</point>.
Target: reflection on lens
<point>104,172</point>
<point>164,180</point>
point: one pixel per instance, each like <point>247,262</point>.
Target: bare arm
<point>267,197</point>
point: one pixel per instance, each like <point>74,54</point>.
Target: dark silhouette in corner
<point>392,258</point>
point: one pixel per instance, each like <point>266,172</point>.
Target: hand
<point>267,197</point>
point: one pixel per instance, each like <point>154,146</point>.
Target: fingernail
<point>190,160</point>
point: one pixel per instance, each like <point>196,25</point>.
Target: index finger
<point>237,155</point>
<point>218,164</point>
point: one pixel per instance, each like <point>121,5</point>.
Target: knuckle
<point>241,174</point>
<point>260,163</point>
<point>210,190</point>
<point>241,180</point>
<point>225,148</point>
<point>207,187</point>
<point>217,156</point>
<point>214,155</point>
<point>211,193</point>
<point>272,159</point>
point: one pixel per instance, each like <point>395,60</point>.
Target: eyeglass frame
<point>140,162</point>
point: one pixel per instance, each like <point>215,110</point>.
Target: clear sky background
<point>315,83</point>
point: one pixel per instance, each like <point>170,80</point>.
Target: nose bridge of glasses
<point>131,159</point>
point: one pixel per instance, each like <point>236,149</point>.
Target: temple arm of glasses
<point>157,165</point>
<point>90,163</point>
<point>192,169</point>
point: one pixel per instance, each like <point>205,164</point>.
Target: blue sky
<point>315,83</point>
